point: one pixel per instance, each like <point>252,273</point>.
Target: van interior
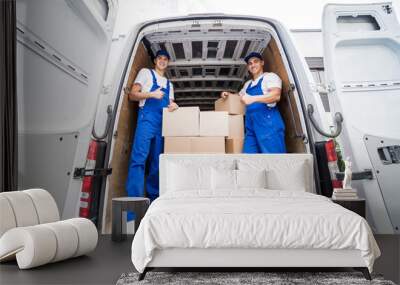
<point>204,62</point>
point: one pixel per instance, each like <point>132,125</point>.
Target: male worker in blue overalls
<point>265,130</point>
<point>154,92</point>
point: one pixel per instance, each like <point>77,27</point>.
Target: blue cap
<point>253,54</point>
<point>162,52</point>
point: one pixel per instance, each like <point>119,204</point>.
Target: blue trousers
<point>265,132</point>
<point>147,145</point>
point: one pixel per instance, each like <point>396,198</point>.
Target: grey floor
<point>102,266</point>
<point>111,259</point>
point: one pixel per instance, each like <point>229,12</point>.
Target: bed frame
<point>242,259</point>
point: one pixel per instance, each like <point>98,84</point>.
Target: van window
<point>224,71</point>
<point>162,46</point>
<point>183,72</point>
<point>210,71</point>
<point>230,49</point>
<point>197,71</point>
<point>245,49</point>
<point>212,50</point>
<point>178,49</point>
<point>197,49</point>
<point>357,23</point>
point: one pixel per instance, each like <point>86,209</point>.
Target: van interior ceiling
<point>202,65</point>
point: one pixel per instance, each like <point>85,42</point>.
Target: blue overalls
<point>265,130</point>
<point>148,142</point>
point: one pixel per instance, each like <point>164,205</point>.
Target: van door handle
<point>338,123</point>
<point>107,128</point>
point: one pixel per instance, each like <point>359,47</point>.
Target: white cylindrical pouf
<point>87,234</point>
<point>7,218</point>
<point>34,246</point>
<point>23,207</point>
<point>67,239</point>
<point>45,205</point>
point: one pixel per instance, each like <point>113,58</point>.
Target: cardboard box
<point>183,122</point>
<point>234,145</point>
<point>214,124</point>
<point>231,104</point>
<point>177,145</point>
<point>208,145</point>
<point>236,126</point>
<point>194,145</point>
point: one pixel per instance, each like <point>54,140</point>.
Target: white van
<point>76,124</point>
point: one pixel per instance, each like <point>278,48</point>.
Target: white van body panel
<point>62,47</point>
<point>362,61</point>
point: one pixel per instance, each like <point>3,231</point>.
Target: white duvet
<point>253,218</point>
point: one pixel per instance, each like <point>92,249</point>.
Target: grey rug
<point>231,278</point>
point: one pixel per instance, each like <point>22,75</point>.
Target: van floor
<point>102,266</point>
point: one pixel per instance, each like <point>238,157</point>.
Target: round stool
<point>138,205</point>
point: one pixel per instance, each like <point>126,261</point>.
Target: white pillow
<point>182,177</point>
<point>251,178</point>
<point>294,180</point>
<point>223,179</point>
<point>284,172</point>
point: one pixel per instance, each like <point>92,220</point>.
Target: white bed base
<point>232,257</point>
<point>256,258</point>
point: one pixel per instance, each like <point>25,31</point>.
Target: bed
<point>248,211</point>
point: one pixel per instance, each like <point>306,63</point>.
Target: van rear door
<point>362,62</point>
<point>62,48</point>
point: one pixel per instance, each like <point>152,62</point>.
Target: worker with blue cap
<point>154,92</point>
<point>264,127</point>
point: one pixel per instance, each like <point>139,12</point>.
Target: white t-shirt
<point>271,80</point>
<point>145,79</point>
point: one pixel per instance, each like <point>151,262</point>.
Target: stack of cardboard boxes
<point>236,110</point>
<point>187,130</point>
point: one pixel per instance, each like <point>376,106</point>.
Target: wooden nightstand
<point>355,205</point>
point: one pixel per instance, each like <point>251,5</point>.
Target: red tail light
<point>87,182</point>
<point>330,151</point>
<point>332,163</point>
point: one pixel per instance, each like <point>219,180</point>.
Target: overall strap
<point>167,93</point>
<point>256,89</point>
<point>154,77</point>
<point>258,84</point>
<point>168,87</point>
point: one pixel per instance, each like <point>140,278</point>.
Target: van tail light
<point>87,182</point>
<point>332,163</point>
